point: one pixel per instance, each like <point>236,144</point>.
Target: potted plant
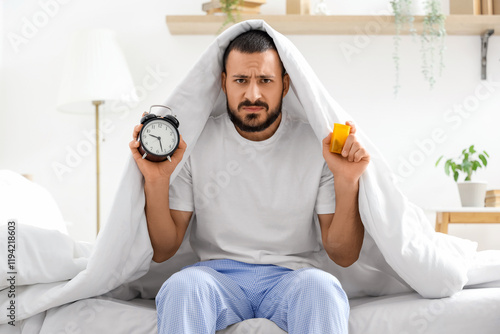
<point>432,37</point>
<point>471,193</point>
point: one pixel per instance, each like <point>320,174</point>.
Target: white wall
<point>34,135</point>
<point>1,32</point>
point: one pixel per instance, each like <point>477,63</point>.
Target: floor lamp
<point>95,72</point>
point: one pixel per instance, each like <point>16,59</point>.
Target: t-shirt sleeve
<point>181,190</point>
<point>325,201</point>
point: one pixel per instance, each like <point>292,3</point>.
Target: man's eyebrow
<point>262,76</point>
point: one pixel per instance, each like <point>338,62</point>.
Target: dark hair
<point>251,41</point>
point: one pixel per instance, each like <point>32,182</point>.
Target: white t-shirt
<point>255,201</point>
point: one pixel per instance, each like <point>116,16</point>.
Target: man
<point>255,179</point>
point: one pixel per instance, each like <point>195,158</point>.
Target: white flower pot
<point>472,193</point>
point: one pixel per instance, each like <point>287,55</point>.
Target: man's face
<point>254,88</point>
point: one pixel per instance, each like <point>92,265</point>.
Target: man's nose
<point>253,92</point>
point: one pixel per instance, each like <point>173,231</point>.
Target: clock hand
<point>154,136</point>
<point>161,147</point>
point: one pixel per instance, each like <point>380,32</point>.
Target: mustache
<point>257,103</point>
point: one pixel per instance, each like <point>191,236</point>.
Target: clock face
<point>159,137</point>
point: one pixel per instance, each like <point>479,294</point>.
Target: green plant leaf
<point>467,167</point>
<point>229,8</point>
<point>441,157</point>
<point>447,166</point>
<point>483,159</point>
<point>475,165</point>
<point>469,163</point>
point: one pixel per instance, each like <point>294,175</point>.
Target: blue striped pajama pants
<point>211,295</point>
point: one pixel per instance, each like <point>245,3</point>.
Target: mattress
<point>468,311</point>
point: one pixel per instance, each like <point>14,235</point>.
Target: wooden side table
<point>468,215</point>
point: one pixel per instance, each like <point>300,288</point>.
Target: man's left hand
<point>353,161</point>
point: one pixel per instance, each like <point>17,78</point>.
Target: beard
<point>249,123</point>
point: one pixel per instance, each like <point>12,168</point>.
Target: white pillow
<point>28,203</point>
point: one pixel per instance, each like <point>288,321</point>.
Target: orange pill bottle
<point>339,136</point>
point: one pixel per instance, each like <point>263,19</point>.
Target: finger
<point>347,145</point>
<point>356,146</point>
<point>360,155</point>
<point>353,127</point>
<point>137,129</point>
<point>327,140</point>
<point>134,144</point>
<point>179,152</point>
<point>182,143</point>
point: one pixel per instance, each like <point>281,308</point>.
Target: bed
<point>468,311</point>
<point>130,307</point>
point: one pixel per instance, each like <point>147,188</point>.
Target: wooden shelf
<point>331,25</point>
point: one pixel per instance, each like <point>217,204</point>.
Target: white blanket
<point>401,251</point>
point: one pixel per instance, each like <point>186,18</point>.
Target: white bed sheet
<point>468,311</point>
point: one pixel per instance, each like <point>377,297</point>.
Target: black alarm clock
<point>159,136</point>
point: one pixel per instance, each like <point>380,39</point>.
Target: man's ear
<point>286,84</point>
<point>223,81</point>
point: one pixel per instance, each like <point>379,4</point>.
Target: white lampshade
<point>95,70</point>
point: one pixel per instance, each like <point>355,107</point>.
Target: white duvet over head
<point>397,232</point>
<point>400,251</point>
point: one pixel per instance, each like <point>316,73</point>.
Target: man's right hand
<point>155,171</point>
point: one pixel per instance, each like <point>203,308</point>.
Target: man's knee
<point>318,282</point>
<point>186,281</point>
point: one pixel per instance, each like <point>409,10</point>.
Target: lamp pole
<point>98,205</point>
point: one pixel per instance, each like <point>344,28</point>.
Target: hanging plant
<point>229,8</point>
<point>402,16</point>
<point>432,40</point>
<point>432,37</point>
